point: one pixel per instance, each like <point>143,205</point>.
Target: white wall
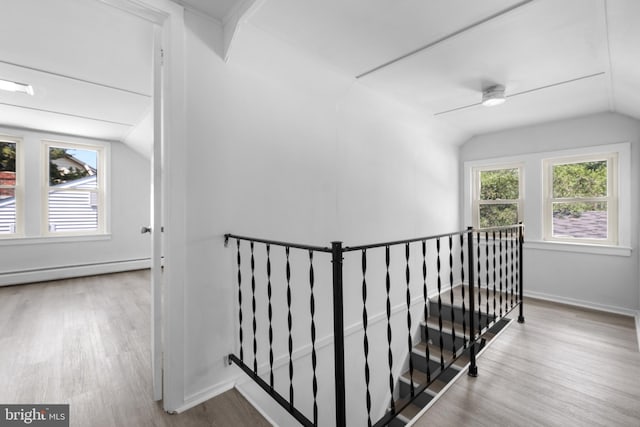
<point>282,147</point>
<point>606,281</point>
<point>34,259</point>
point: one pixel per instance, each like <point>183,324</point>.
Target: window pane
<point>586,179</point>
<point>580,220</point>
<point>73,168</point>
<point>498,215</point>
<point>7,156</point>
<point>73,211</point>
<point>7,163</point>
<point>499,184</point>
<point>7,211</point>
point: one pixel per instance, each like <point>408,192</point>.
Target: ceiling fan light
<point>10,86</point>
<point>493,96</point>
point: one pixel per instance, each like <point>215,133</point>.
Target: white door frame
<point>167,289</point>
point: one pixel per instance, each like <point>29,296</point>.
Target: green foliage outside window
<point>496,185</point>
<point>7,156</point>
<point>500,184</point>
<point>59,175</point>
<point>579,180</point>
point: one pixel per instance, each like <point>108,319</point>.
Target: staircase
<point>433,336</point>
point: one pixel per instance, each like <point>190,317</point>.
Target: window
<point>74,191</point>
<point>10,186</point>
<point>497,196</point>
<point>581,201</point>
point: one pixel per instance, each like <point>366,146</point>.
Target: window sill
<point>11,241</point>
<point>579,248</point>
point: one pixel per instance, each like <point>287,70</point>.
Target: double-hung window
<point>581,199</point>
<point>74,192</point>
<point>497,196</point>
<point>10,187</point>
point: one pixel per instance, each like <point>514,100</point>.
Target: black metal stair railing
<point>479,283</point>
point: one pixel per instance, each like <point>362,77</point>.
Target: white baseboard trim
<point>580,303</point>
<point>255,405</point>
<point>67,272</point>
<point>202,396</point>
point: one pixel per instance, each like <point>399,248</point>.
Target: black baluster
<point>365,322</point>
<point>494,276</point>
<point>501,276</point>
<point>426,312</point>
<point>289,324</point>
<point>238,260</point>
<point>389,353</point>
<point>270,312</point>
<point>312,304</point>
<point>479,267</point>
<point>473,369</point>
<point>253,306</point>
<point>440,304</point>
<point>487,274</point>
<point>520,273</point>
<point>409,339</point>
<point>464,309</point>
<point>451,298</point>
<point>513,265</point>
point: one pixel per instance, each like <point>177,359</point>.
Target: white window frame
<point>18,188</point>
<point>611,199</point>
<point>476,202</point>
<point>101,190</point>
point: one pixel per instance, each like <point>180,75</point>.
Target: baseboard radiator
<point>452,289</point>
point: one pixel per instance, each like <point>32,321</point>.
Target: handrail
<point>507,259</point>
<point>435,236</point>
<point>275,242</point>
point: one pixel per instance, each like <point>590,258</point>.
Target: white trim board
<point>202,396</point>
<point>70,271</point>
<point>257,407</point>
<point>580,303</point>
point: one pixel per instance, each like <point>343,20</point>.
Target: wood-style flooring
<point>565,366</point>
<point>86,342</point>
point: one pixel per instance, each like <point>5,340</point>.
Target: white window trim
<point>611,199</point>
<point>475,182</point>
<point>533,209</point>
<point>102,190</point>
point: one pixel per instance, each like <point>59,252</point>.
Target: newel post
<point>338,333</point>
<point>520,251</point>
<point>473,368</point>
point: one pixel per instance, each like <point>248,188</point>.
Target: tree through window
<point>581,199</point>
<point>497,196</point>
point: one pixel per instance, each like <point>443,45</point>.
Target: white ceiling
<point>557,59</point>
<point>90,63</point>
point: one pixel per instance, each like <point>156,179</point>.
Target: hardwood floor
<point>565,366</point>
<point>86,342</point>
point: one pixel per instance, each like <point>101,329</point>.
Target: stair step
<point>435,389</point>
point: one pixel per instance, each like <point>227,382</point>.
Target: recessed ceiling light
<point>493,95</point>
<point>10,86</point>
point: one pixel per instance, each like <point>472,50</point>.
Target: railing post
<point>338,333</point>
<point>473,369</point>
<point>521,279</point>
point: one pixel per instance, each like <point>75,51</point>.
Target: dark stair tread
<point>445,295</point>
<point>410,412</point>
<point>432,323</point>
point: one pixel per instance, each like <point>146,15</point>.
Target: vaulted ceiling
<point>556,59</point>
<point>90,63</point>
